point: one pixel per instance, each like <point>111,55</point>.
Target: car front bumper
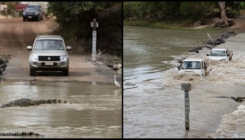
<point>30,16</point>
<point>49,65</point>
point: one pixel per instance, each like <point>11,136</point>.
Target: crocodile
<point>237,99</point>
<point>24,102</point>
<point>3,66</point>
<point>20,134</point>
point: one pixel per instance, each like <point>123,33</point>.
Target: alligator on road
<point>20,134</point>
<point>24,102</point>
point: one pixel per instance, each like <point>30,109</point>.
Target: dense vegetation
<point>173,10</point>
<point>11,8</point>
<point>74,20</point>
<point>178,12</point>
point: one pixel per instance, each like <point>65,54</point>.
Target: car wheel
<point>32,72</point>
<point>66,72</point>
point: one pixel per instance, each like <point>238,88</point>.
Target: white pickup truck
<point>195,66</point>
<point>221,54</point>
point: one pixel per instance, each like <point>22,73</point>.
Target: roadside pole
<point>186,87</point>
<point>94,25</point>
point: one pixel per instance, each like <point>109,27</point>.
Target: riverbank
<point>184,25</point>
<point>167,25</point>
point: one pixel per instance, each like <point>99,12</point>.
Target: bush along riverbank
<point>182,25</point>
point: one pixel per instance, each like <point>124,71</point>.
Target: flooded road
<point>153,100</point>
<point>148,52</point>
<point>95,110</point>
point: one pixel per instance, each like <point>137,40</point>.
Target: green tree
<point>132,9</point>
<point>74,20</point>
<point>11,6</point>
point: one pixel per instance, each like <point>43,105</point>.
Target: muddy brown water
<point>148,52</point>
<point>153,102</point>
<point>95,111</point>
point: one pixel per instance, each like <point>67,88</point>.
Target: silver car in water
<point>49,53</point>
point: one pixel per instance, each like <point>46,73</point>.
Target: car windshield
<point>32,7</point>
<point>49,45</point>
<point>191,65</point>
<point>217,53</point>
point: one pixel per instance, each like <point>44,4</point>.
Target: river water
<point>153,103</point>
<point>95,110</point>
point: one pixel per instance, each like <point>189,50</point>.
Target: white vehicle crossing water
<point>196,66</point>
<point>221,54</point>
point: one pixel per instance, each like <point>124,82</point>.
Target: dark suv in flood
<point>33,11</point>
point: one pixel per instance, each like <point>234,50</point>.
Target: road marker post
<point>94,25</point>
<point>186,87</point>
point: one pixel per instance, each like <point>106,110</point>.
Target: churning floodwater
<point>153,101</point>
<point>95,110</point>
<point>149,51</point>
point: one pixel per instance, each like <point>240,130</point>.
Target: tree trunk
<point>223,18</point>
<point>222,10</point>
<point>224,22</point>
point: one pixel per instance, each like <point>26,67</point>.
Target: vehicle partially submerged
<point>220,54</point>
<point>195,66</point>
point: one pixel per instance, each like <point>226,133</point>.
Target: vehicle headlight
<point>223,59</point>
<point>36,13</point>
<point>24,13</point>
<point>63,57</point>
<point>34,57</point>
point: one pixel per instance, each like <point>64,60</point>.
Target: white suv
<point>196,66</point>
<point>49,53</point>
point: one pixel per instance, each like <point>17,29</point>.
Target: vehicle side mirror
<point>68,48</point>
<point>29,47</point>
<point>207,54</point>
<point>178,67</point>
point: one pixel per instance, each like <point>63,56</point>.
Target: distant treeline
<point>181,10</point>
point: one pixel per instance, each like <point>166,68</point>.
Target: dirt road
<point>16,35</point>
